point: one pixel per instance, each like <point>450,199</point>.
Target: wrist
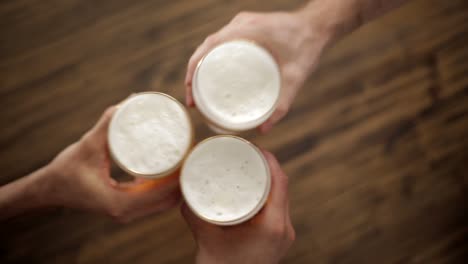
<point>332,19</point>
<point>42,188</point>
<point>29,192</point>
<point>38,188</point>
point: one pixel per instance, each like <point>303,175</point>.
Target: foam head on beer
<point>150,134</point>
<point>236,85</point>
<point>225,180</point>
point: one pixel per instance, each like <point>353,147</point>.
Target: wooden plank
<point>376,144</point>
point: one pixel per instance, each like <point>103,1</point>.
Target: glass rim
<point>209,116</point>
<point>259,204</point>
<point>151,175</point>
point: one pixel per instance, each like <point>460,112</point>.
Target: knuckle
<point>243,16</point>
<point>86,143</point>
<point>109,112</point>
<point>211,39</point>
<point>239,16</point>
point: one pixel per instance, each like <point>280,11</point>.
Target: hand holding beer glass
<point>79,177</point>
<point>295,48</point>
<point>265,238</point>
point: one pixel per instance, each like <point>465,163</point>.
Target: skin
<point>296,39</point>
<point>79,177</point>
<point>263,239</point>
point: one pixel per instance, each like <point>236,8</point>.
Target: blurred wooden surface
<point>376,145</point>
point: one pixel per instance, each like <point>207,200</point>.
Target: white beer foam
<point>149,133</point>
<point>237,85</point>
<point>224,179</point>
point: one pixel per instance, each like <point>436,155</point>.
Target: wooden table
<point>376,145</point>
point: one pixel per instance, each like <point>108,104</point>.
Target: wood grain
<point>376,145</point>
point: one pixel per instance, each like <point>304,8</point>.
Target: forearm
<point>336,18</point>
<point>27,193</point>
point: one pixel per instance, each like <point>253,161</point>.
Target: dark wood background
<point>376,145</point>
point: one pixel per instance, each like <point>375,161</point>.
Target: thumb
<point>192,220</point>
<point>99,132</point>
<point>210,42</point>
<point>196,224</point>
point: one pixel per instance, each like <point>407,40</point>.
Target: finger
<point>195,223</point>
<point>289,227</point>
<point>265,127</point>
<point>147,183</point>
<point>98,134</point>
<point>140,180</point>
<point>168,202</point>
<point>208,44</point>
<point>147,196</point>
<point>99,131</point>
<point>189,216</point>
<point>106,169</point>
<point>278,199</point>
<point>277,115</point>
<point>292,79</point>
<point>191,67</point>
<point>94,146</point>
<point>142,190</point>
<point>290,231</point>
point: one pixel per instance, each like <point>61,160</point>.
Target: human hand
<point>295,44</point>
<point>262,239</point>
<point>79,177</point>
